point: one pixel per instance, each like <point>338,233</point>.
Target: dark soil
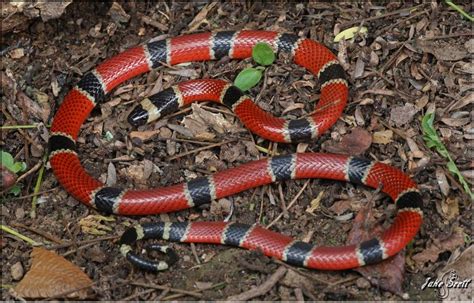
<point>397,70</point>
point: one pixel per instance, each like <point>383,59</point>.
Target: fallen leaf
<point>464,101</point>
<point>387,274</point>
<point>440,245</point>
<point>314,205</point>
<point>51,9</point>
<point>201,17</point>
<point>144,135</point>
<point>340,207</point>
<point>117,13</point>
<point>461,265</point>
<point>448,208</point>
<point>350,33</point>
<point>185,72</point>
<point>17,53</point>
<point>354,143</point>
<point>443,51</point>
<point>442,181</point>
<point>382,137</point>
<point>401,115</point>
<point>111,175</point>
<point>51,275</point>
<point>291,107</point>
<point>95,225</point>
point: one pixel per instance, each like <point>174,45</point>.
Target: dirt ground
<point>416,58</point>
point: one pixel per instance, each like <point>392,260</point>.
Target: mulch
<point>415,59</point>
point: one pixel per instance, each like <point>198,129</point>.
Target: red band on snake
<point>317,59</point>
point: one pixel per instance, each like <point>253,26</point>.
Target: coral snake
<point>96,84</point>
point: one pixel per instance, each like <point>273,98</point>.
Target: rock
<point>17,271</point>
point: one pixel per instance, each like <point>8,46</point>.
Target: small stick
<point>175,296</point>
<point>138,294</point>
<point>64,245</point>
<point>261,289</point>
<point>193,249</point>
<point>18,235</point>
<point>381,16</point>
<point>162,287</point>
<point>290,205</point>
<point>38,232</point>
<point>200,149</point>
<point>37,187</point>
<point>32,195</point>
<point>32,170</point>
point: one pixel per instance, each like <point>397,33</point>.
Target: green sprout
<point>432,140</point>
<point>262,54</point>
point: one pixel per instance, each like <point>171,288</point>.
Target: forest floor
<point>414,59</point>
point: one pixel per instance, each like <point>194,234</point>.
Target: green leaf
<point>15,190</point>
<point>432,140</point>
<point>263,54</point>
<point>7,160</point>
<point>18,166</point>
<point>248,78</point>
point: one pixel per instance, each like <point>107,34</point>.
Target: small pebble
<point>19,213</point>
<point>17,271</point>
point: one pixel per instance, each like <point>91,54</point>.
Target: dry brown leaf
<point>292,107</point>
<point>464,101</point>
<point>51,275</point>
<point>382,137</point>
<point>95,225</point>
<point>401,115</point>
<point>144,135</point>
<point>387,274</point>
<point>201,17</point>
<point>341,206</point>
<point>440,245</point>
<point>17,53</point>
<point>354,143</point>
<point>449,208</point>
<point>443,51</point>
<point>118,14</point>
<point>51,9</point>
<point>461,264</point>
<point>442,181</point>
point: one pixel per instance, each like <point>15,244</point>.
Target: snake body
<point>317,59</point>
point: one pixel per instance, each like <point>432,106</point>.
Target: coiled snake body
<point>96,84</point>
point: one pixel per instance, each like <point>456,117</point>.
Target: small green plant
<point>262,54</point>
<point>432,140</point>
<point>15,167</point>
<point>460,10</point>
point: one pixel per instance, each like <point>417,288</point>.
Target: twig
<point>163,287</point>
<point>37,187</point>
<point>64,245</point>
<point>39,232</point>
<point>200,149</point>
<point>175,296</point>
<point>263,288</point>
<point>381,16</point>
<point>193,250</point>
<point>460,10</point>
<point>35,194</point>
<point>389,27</point>
<point>28,126</point>
<point>22,237</point>
<point>138,294</point>
<point>29,172</point>
<point>289,205</point>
